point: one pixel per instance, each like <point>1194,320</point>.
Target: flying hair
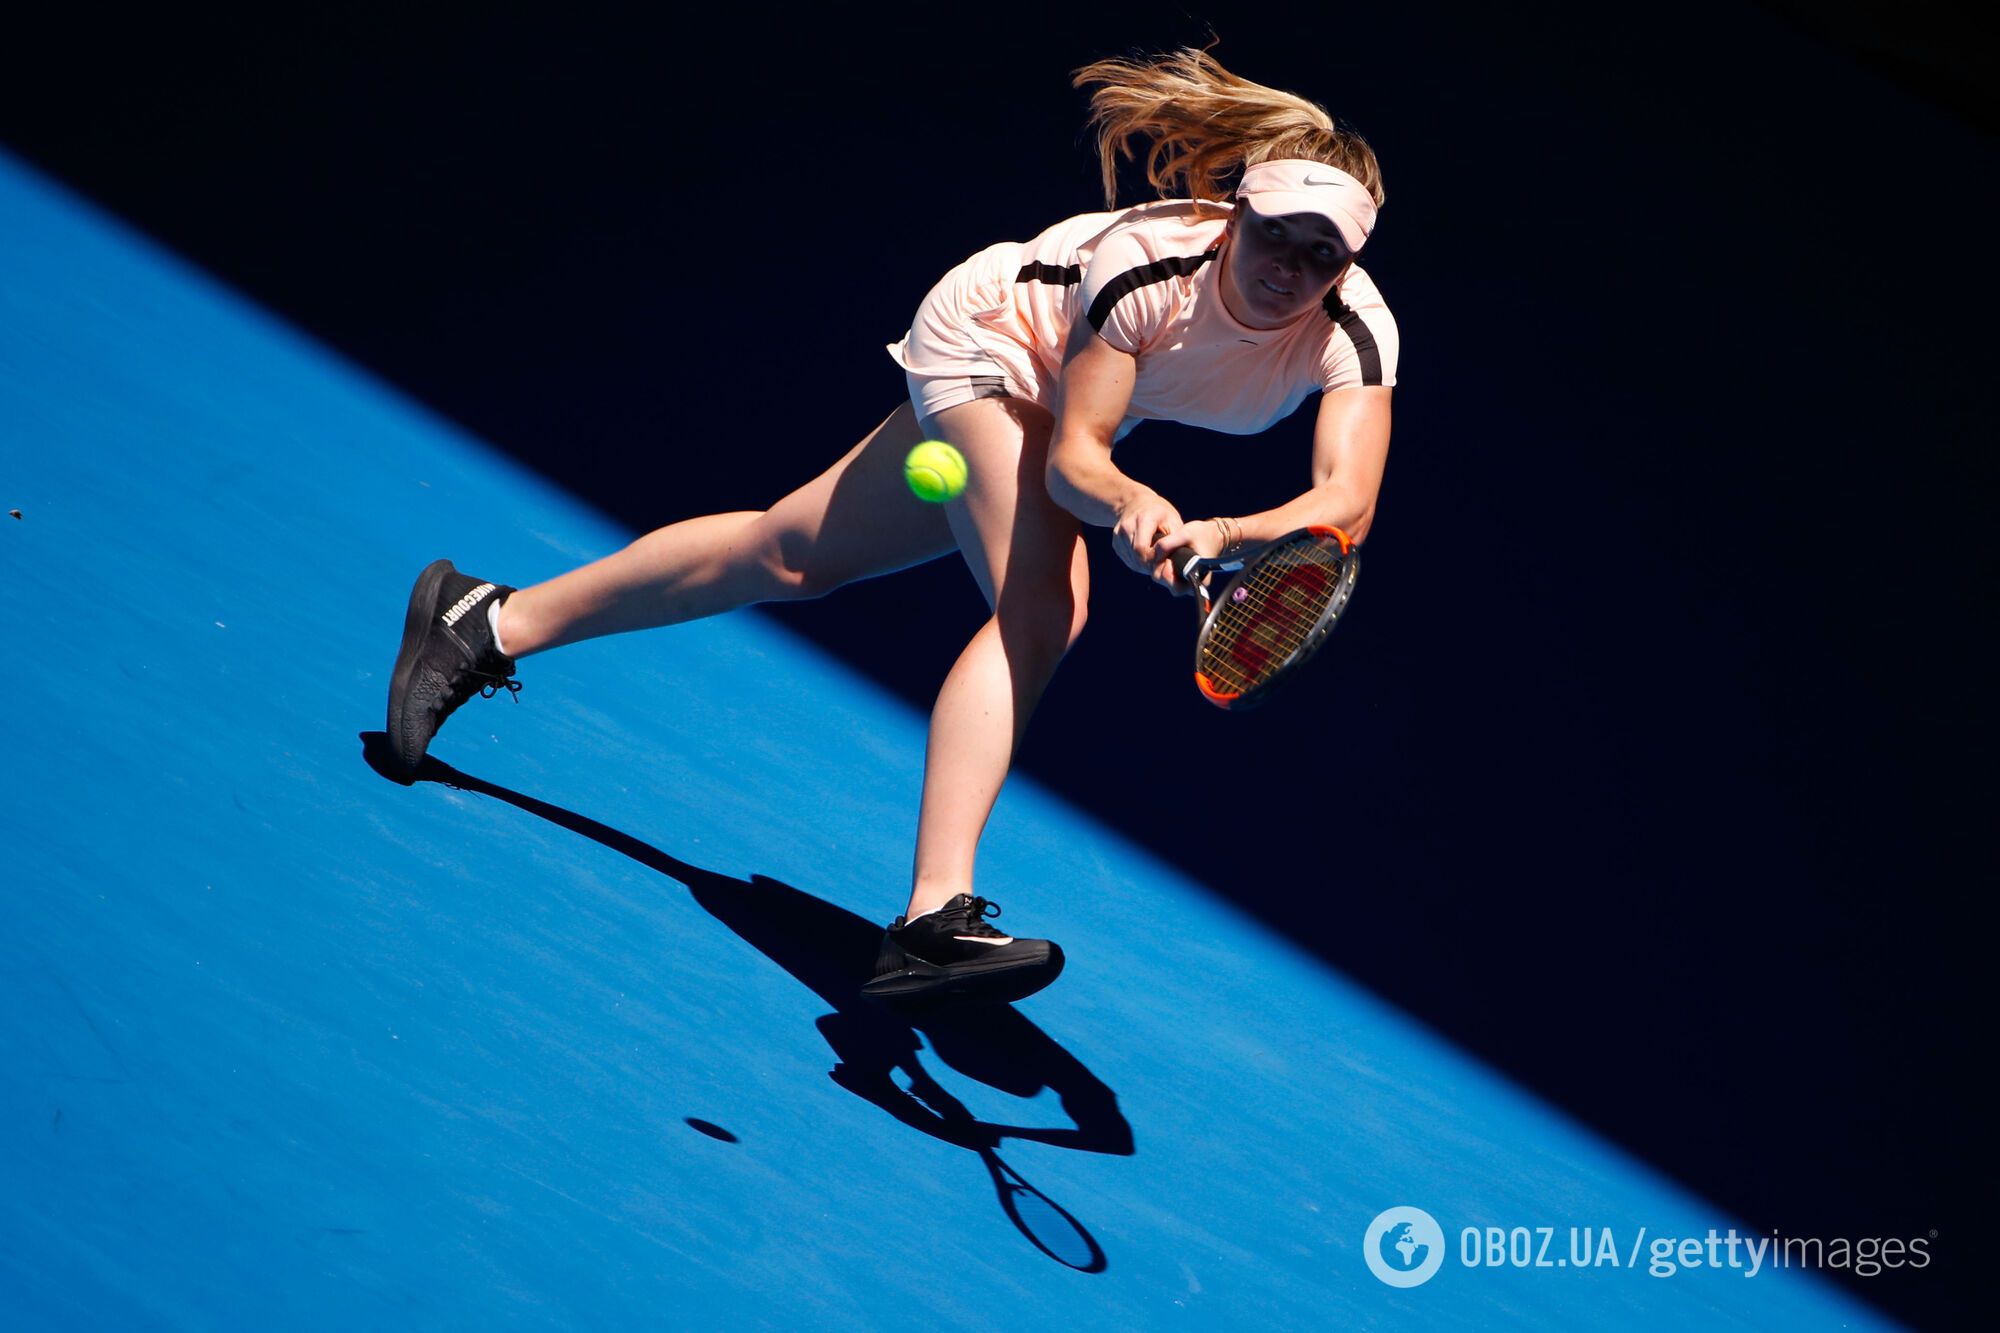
<point>1198,126</point>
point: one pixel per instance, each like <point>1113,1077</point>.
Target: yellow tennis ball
<point>935,471</point>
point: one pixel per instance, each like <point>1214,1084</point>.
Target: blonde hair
<point>1202,125</point>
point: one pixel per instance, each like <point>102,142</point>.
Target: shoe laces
<point>495,684</point>
<point>463,688</point>
<point>976,913</point>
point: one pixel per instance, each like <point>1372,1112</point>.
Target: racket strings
<point>1270,617</point>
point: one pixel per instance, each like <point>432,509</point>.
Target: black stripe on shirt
<point>1356,329</point>
<point>1061,277</point>
<point>1130,281</point>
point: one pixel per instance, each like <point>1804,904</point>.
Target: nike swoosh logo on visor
<point>1311,181</point>
<point>984,939</point>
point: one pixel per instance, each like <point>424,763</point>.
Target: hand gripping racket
<point>1272,616</point>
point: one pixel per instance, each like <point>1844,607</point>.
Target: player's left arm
<point>1350,449</point>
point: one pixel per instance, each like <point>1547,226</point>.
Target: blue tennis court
<point>565,1034</point>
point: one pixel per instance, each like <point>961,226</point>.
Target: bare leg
<point>1027,553</point>
<point>854,521</point>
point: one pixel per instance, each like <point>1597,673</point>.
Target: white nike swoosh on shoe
<point>984,939</point>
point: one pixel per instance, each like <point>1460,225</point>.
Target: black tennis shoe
<point>448,655</point>
<point>952,954</point>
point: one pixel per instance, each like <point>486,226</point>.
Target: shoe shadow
<point>831,951</point>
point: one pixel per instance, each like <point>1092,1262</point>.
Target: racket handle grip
<point>1192,566</point>
<point>1192,571</point>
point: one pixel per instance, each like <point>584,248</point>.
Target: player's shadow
<point>832,951</point>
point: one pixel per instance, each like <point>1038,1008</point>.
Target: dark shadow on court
<point>831,950</point>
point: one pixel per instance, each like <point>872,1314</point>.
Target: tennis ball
<point>935,471</point>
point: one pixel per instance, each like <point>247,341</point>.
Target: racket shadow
<point>831,951</point>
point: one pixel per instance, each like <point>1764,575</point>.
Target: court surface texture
<point>566,1033</point>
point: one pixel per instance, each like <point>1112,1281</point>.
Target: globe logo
<point>1404,1246</point>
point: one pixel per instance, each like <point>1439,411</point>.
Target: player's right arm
<point>1096,389</point>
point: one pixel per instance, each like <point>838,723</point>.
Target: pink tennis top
<point>1145,278</point>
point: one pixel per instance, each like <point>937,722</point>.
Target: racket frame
<point>1198,572</point>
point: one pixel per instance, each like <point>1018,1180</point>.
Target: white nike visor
<point>1294,185</point>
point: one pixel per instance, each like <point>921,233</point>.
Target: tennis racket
<point>1272,616</point>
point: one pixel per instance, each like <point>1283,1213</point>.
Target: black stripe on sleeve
<point>1061,277</point>
<point>1357,331</point>
<point>1130,281</point>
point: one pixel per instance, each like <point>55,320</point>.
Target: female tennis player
<point>1224,304</point>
